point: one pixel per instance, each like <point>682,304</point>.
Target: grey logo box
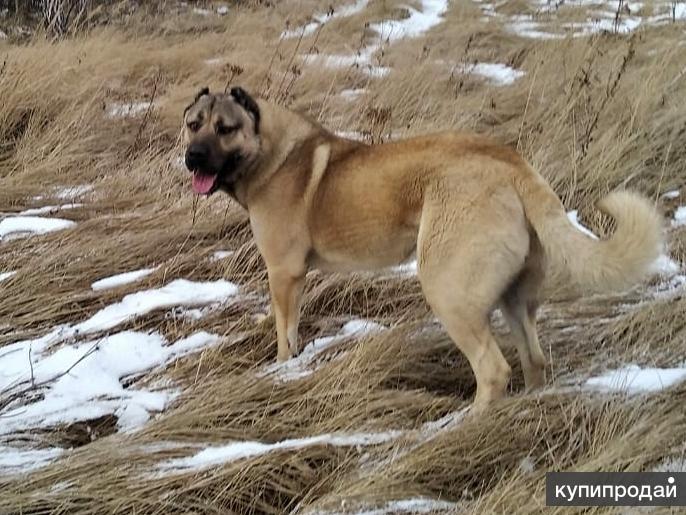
<point>615,489</point>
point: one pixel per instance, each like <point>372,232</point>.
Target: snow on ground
<point>6,275</point>
<point>218,255</point>
<point>601,17</point>
<point>304,363</point>
<point>127,110</point>
<point>18,226</point>
<point>496,73</point>
<point>419,21</point>
<point>179,292</point>
<point>71,192</point>
<point>671,194</point>
<point>49,210</point>
<point>213,456</point>
<point>84,381</point>
<point>121,279</point>
<point>17,357</point>
<point>633,379</point>
<point>679,217</point>
<point>414,506</point>
<point>320,19</point>
<point>14,460</point>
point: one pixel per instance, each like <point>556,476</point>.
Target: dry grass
<point>593,114</point>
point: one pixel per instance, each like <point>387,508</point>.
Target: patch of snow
<point>121,279</point>
<point>321,19</point>
<point>670,288</point>
<point>679,217</point>
<point>26,225</point>
<point>665,265</point>
<point>14,460</point>
<point>14,358</point>
<point>128,110</point>
<point>634,379</point>
<point>6,275</point>
<point>71,192</point>
<point>84,381</point>
<point>179,292</point>
<point>527,465</point>
<point>48,209</point>
<point>416,24</point>
<point>213,456</point>
<point>218,255</point>
<point>303,365</point>
<point>222,10</point>
<point>573,217</point>
<point>496,73</point>
<point>671,194</point>
<point>201,12</point>
<point>416,505</point>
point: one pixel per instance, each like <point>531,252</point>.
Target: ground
<point>156,391</point>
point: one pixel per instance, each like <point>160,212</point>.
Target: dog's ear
<point>248,103</point>
<point>204,91</point>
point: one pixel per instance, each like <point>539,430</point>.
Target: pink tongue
<point>202,183</point>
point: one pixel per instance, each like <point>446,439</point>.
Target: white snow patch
<point>303,365</point>
<point>671,194</point>
<point>15,460</point>
<point>71,192</point>
<point>179,292</point>
<point>633,379</point>
<point>496,73</point>
<point>6,275</point>
<point>84,381</point>
<point>18,226</point>
<point>213,456</point>
<point>201,12</point>
<point>679,217</point>
<point>416,505</point>
<point>222,10</point>
<point>218,255</point>
<point>573,217</point>
<point>121,279</point>
<point>14,358</point>
<point>419,21</point>
<point>321,19</point>
<point>128,110</point>
<point>48,209</point>
<point>665,265</point>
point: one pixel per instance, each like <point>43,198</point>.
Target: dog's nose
<point>196,157</point>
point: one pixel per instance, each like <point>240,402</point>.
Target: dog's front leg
<point>286,291</point>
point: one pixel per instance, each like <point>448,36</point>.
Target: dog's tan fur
<point>484,225</point>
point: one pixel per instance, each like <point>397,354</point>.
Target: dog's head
<point>222,133</point>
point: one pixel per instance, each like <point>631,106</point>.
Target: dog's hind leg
<point>466,260</point>
<point>519,305</point>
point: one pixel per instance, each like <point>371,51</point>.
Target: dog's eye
<point>226,129</point>
<point>194,126</point>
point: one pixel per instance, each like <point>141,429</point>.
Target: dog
<point>485,227</point>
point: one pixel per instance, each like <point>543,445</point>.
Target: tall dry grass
<point>592,114</point>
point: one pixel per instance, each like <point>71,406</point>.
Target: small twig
<point>33,382</point>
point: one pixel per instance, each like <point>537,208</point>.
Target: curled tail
<point>594,266</point>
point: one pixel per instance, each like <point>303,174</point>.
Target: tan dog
<point>485,226</point>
